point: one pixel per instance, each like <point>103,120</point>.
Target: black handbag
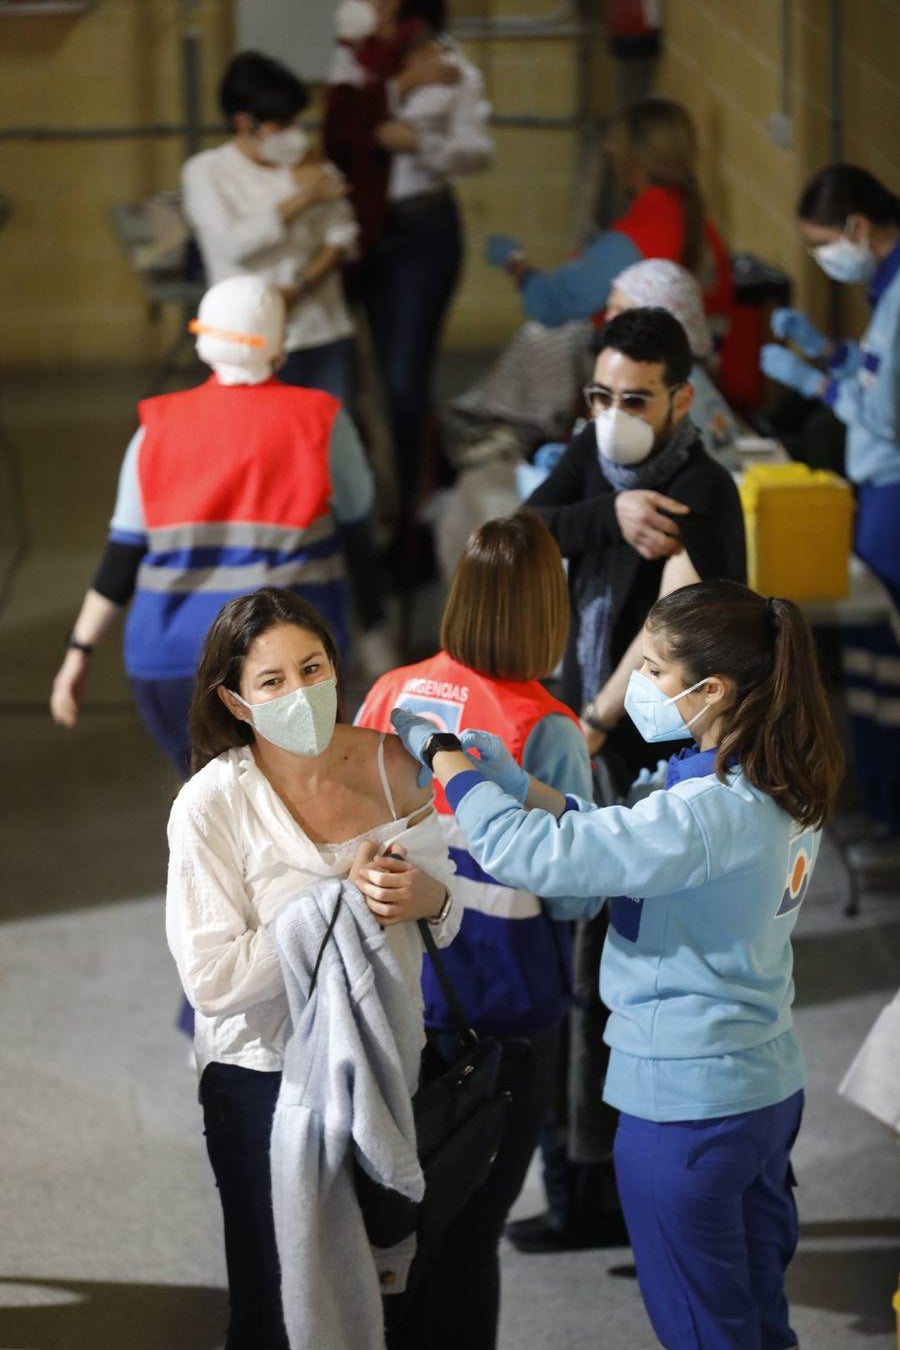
<point>460,1115</point>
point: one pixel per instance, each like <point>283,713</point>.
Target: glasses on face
<point>600,399</point>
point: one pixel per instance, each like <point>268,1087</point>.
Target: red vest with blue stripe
<point>510,963</point>
<point>236,490</point>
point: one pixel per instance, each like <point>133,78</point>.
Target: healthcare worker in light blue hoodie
<point>708,870</point>
<point>851,223</point>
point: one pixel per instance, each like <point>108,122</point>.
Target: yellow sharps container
<point>799,524</point>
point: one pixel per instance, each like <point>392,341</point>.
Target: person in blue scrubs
<point>706,873</point>
<point>851,223</point>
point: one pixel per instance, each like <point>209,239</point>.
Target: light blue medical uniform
<point>705,1066</point>
<point>864,392</point>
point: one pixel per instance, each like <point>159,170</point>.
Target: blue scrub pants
<point>406,286</point>
<point>712,1219</point>
<point>163,707</point>
<point>872,661</point>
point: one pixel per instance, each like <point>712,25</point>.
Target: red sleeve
<point>654,223</point>
<point>351,114</point>
<point>718,297</point>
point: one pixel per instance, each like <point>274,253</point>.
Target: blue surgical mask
<point>844,260</point>
<point>656,717</point>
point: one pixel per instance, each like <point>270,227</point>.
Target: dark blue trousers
<point>713,1224</point>
<point>163,707</point>
<point>238,1106</point>
<point>406,286</point>
<point>456,1304</point>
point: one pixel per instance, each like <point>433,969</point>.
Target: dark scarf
<point>600,595</point>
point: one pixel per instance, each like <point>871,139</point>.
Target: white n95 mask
<point>843,260</point>
<point>621,437</point>
<point>657,717</point>
<point>286,147</point>
<point>301,721</point>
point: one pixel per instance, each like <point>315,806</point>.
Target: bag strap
<point>328,932</point>
<point>466,1032</point>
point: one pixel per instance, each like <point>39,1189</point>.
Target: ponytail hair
<point>843,190</point>
<point>779,725</point>
<point>659,135</point>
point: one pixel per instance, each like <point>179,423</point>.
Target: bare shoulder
<point>358,755</point>
<point>403,771</point>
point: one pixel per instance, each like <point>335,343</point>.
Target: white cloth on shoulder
<point>351,1065</point>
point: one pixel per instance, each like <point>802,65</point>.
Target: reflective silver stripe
<point>884,712</point>
<point>887,670</point>
<point>502,902</point>
<point>241,534</point>
<point>858,661</point>
<point>883,670</point>
<point>184,580</point>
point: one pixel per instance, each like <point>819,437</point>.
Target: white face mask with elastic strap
<point>302,721</point>
<point>657,717</point>
<point>845,260</point>
<point>286,147</point>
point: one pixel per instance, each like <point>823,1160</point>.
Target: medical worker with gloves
<point>706,874</point>
<point>851,222</point>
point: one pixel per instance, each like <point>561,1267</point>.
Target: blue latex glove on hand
<point>414,732</point>
<point>499,248</point>
<point>792,326</point>
<point>781,365</point>
<point>496,763</point>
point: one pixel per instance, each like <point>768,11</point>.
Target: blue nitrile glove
<point>496,763</point>
<point>499,248</point>
<point>792,326</point>
<point>414,732</point>
<point>781,365</point>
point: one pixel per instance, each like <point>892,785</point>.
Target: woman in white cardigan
<point>283,796</point>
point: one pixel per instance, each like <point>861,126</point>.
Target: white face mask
<point>657,717</point>
<point>623,438</point>
<point>301,721</point>
<point>355,20</point>
<point>844,260</point>
<point>286,147</point>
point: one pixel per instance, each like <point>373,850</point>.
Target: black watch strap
<point>439,740</point>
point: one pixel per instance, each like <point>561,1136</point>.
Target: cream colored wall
<point>70,296</point>
<point>722,60</point>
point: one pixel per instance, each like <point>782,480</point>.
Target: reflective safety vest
<point>236,494</point>
<point>510,963</point>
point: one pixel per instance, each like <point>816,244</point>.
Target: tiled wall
<point>70,297</point>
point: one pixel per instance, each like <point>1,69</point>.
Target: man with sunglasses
<point>638,509</point>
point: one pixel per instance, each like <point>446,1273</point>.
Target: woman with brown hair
<point>705,877</point>
<point>652,145</point>
<point>503,630</point>
<point>283,796</point>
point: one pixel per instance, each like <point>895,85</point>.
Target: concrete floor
<point>110,1229</point>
